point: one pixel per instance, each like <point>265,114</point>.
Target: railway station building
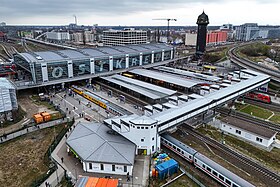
<point>70,64</point>
<point>101,150</point>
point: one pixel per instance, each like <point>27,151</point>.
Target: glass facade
<point>147,58</point>
<point>81,67</point>
<point>38,72</point>
<point>134,60</point>
<point>101,65</point>
<point>22,62</point>
<point>118,62</point>
<point>158,57</point>
<point>59,70</point>
<point>167,55</point>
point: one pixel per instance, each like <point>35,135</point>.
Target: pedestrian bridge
<point>142,129</point>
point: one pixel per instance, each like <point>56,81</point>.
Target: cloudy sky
<point>137,12</point>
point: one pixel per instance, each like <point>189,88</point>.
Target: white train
<point>213,169</point>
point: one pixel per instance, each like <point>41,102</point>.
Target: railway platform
<point>116,101</point>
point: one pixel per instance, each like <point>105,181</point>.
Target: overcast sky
<point>137,12</point>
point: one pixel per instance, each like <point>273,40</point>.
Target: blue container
<point>167,168</point>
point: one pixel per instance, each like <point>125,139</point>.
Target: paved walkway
<point>74,167</point>
<point>30,129</point>
<point>68,103</point>
<point>116,101</point>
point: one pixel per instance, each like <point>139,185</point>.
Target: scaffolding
<point>8,99</point>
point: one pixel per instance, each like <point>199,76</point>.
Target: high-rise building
<point>202,22</point>
<point>247,32</point>
<point>124,37</point>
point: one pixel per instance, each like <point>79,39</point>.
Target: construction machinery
<point>168,31</point>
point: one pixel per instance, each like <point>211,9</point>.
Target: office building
<point>58,36</point>
<point>124,37</point>
<point>247,32</point>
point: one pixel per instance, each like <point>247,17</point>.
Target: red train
<point>257,96</point>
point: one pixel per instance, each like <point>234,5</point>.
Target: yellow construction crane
<point>168,20</point>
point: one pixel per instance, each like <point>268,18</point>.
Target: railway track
<point>275,75</point>
<point>248,118</point>
<point>274,179</point>
<point>271,106</point>
<point>9,50</point>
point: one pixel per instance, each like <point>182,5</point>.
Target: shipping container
<point>46,116</point>
<point>167,168</point>
<point>38,118</point>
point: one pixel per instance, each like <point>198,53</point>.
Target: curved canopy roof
<point>86,53</point>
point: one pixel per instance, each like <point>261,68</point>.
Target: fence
<point>53,166</point>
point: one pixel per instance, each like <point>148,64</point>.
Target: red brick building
<point>216,37</point>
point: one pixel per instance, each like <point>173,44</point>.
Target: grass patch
<point>275,118</point>
<point>256,111</point>
<point>270,159</point>
<point>183,181</point>
<point>36,100</point>
<point>239,106</point>
<point>22,160</point>
<point>216,56</point>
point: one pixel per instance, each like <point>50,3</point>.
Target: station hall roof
<point>221,94</point>
<point>93,143</point>
<point>86,53</point>
<point>250,127</point>
<point>170,78</point>
<point>189,74</point>
<point>149,90</point>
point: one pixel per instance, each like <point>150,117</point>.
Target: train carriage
<point>178,147</point>
<point>77,90</point>
<point>95,99</point>
<point>221,174</point>
<point>257,96</point>
<point>205,164</point>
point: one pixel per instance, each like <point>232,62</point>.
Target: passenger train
<point>97,100</point>
<point>211,168</point>
<point>257,96</point>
